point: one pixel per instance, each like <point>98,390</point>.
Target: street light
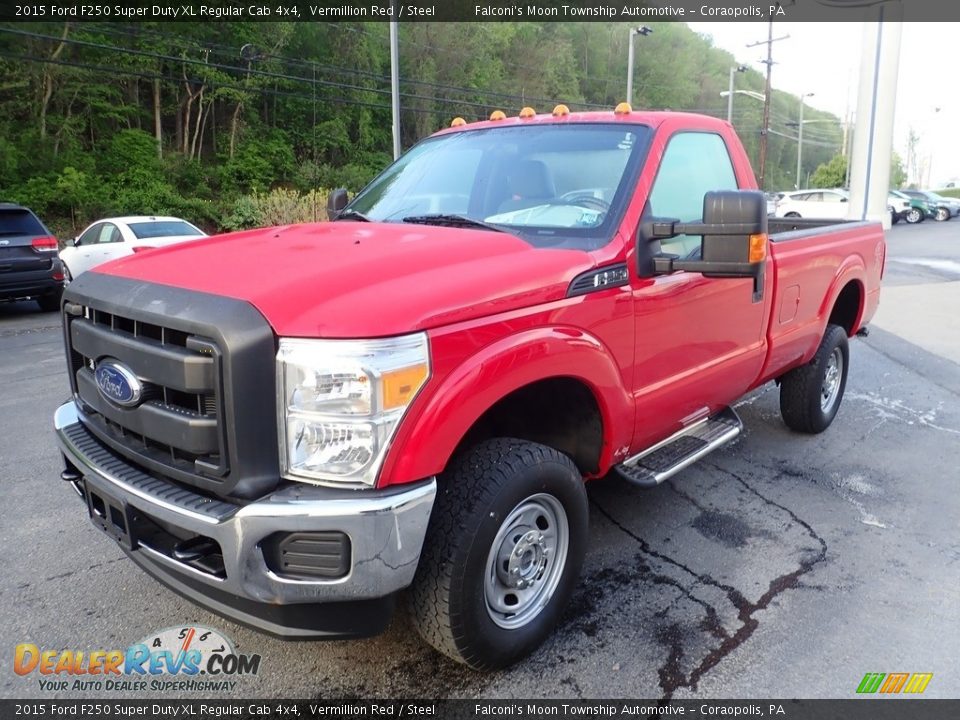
<point>642,30</point>
<point>800,137</point>
<point>733,70</point>
<point>749,93</point>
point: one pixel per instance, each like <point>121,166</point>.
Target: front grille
<point>175,428</point>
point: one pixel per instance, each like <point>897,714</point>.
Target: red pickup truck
<point>292,425</point>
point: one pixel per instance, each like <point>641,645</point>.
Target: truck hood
<point>356,279</point>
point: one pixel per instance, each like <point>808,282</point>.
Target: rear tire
<point>50,302</point>
<point>792,215</point>
<point>502,553</point>
<point>810,395</point>
<point>942,214</point>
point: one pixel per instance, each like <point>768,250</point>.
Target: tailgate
<point>17,255</point>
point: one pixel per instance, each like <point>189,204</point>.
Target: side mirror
<point>843,200</point>
<point>336,201</point>
<point>734,237</point>
<point>75,241</point>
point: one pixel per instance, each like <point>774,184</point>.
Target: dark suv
<point>29,265</point>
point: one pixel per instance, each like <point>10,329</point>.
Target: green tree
<point>832,174</point>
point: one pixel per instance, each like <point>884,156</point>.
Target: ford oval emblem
<point>117,383</point>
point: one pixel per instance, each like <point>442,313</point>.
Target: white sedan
<point>823,204</point>
<point>113,238</point>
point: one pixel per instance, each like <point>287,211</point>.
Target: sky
<point>824,58</point>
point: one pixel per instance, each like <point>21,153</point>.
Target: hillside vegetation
<point>204,120</point>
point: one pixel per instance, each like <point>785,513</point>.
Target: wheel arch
<point>533,375</point>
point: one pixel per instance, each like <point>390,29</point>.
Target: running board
<point>665,459</point>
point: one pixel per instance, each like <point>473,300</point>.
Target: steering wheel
<point>586,199</point>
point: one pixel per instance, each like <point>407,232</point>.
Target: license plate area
<point>110,514</point>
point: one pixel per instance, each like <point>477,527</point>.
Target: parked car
<point>414,394</point>
<point>773,199</point>
<point>920,208</point>
<point>29,266</point>
<point>941,209</point>
<point>952,203</point>
<point>823,204</point>
<point>898,205</point>
<point>113,238</point>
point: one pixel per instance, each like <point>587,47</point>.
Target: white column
<point>876,99</point>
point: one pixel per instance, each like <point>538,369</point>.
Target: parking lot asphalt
<point>781,566</point>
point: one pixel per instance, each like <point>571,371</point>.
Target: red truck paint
<point>487,543</point>
<point>498,318</point>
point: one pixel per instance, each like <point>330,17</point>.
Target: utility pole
<point>765,131</point>
<point>733,70</point>
<point>642,30</point>
<point>395,82</point>
<point>800,139</point>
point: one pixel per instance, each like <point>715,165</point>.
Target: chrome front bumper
<point>385,527</point>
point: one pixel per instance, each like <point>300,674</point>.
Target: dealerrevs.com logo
<point>191,658</point>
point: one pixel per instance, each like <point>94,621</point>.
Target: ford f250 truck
<point>290,426</point>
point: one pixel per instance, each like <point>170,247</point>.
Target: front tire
<point>810,395</point>
<point>792,215</point>
<point>914,215</point>
<point>502,553</point>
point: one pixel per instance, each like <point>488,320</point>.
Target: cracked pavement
<point>781,566</point>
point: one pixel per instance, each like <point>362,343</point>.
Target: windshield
<point>556,185</point>
<point>163,228</point>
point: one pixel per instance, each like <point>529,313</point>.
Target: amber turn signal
<point>758,248</point>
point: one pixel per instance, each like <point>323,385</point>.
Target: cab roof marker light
<point>623,108</point>
<point>561,111</point>
<point>458,122</point>
<point>528,112</point>
<point>498,115</point>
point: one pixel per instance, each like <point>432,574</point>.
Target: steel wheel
<point>830,389</point>
<point>526,561</point>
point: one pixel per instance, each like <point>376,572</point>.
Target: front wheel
<point>810,395</point>
<point>502,554</point>
<point>792,215</point>
<point>914,215</point>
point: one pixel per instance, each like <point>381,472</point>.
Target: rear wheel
<point>942,214</point>
<point>792,215</point>
<point>810,395</point>
<point>50,302</point>
<point>502,554</point>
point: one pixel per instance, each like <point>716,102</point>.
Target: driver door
<point>700,341</point>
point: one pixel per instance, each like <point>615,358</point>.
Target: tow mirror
<point>734,237</point>
<point>336,201</point>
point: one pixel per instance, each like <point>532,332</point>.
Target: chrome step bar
<point>665,459</point>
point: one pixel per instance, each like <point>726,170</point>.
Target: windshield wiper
<point>352,215</point>
<point>451,221</point>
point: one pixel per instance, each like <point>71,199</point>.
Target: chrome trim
<point>386,530</point>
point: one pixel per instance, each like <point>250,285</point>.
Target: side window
<point>815,197</point>
<point>693,164</point>
<point>90,236</point>
<point>832,197</point>
<point>109,233</point>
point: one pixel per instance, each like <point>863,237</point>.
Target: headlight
<point>340,402</point>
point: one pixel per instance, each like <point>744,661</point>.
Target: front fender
<point>456,398</point>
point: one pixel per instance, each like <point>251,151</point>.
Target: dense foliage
<point>203,119</point>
